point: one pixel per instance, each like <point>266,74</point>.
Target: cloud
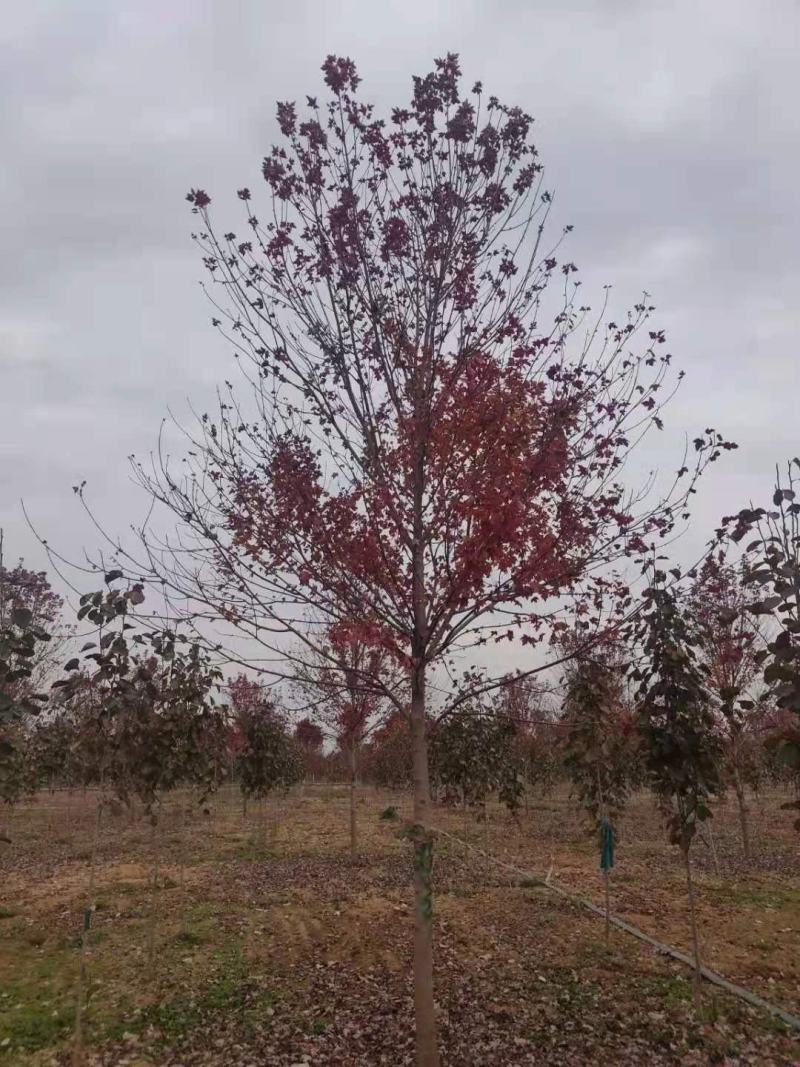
<point>668,130</point>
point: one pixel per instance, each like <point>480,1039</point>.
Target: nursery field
<point>272,945</point>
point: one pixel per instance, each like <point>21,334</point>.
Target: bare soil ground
<point>275,947</point>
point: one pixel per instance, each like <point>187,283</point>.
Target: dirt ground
<point>273,946</point>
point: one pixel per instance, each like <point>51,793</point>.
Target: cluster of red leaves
<point>426,434</point>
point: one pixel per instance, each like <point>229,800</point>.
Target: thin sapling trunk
<point>78,1050</point>
<point>151,931</point>
<point>693,922</point>
<point>744,822</point>
<point>713,847</point>
<point>353,816</point>
<point>425,1016</point>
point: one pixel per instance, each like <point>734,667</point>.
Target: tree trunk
<point>78,1051</point>
<point>486,868</point>
<point>353,820</point>
<point>424,1012</point>
<point>151,930</point>
<point>182,806</point>
<point>743,814</point>
<point>693,921</point>
<point>713,847</point>
<point>608,905</point>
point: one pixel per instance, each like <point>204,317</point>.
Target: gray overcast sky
<point>668,130</point>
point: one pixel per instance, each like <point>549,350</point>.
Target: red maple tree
<point>435,453</point>
<point>731,639</point>
<point>346,680</point>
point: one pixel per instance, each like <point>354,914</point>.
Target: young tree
<point>435,448</point>
<point>31,592</point>
<point>473,753</point>
<point>772,574</point>
<point>133,716</point>
<point>536,741</point>
<point>683,750</point>
<point>730,643</point>
<point>144,721</point>
<point>267,758</point>
<point>29,613</point>
<point>310,738</point>
<point>388,753</point>
<point>599,745</point>
<point>19,640</point>
<point>347,679</point>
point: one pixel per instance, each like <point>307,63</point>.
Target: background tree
<point>730,642</point>
<point>31,592</point>
<point>682,747</point>
<point>29,644</point>
<point>347,679</point>
<point>144,719</point>
<point>473,755</point>
<point>267,757</point>
<point>772,574</point>
<point>431,442</point>
<point>388,758</point>
<point>599,745</point>
<point>140,701</point>
<point>310,738</point>
<point>526,704</point>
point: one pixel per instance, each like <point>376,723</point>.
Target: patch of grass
<point>8,913</point>
<point>73,942</point>
<point>229,994</point>
<point>708,1011</point>
<point>191,938</point>
<point>319,1026</point>
<point>574,994</point>
<point>200,912</point>
<point>771,897</point>
<point>624,879</point>
<point>37,1005</point>
<point>593,951</point>
<point>253,852</point>
<point>672,989</point>
<point>131,887</point>
<point>768,946</point>
<point>771,1024</point>
<point>34,1025</point>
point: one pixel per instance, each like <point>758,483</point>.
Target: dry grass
<point>273,945</point>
